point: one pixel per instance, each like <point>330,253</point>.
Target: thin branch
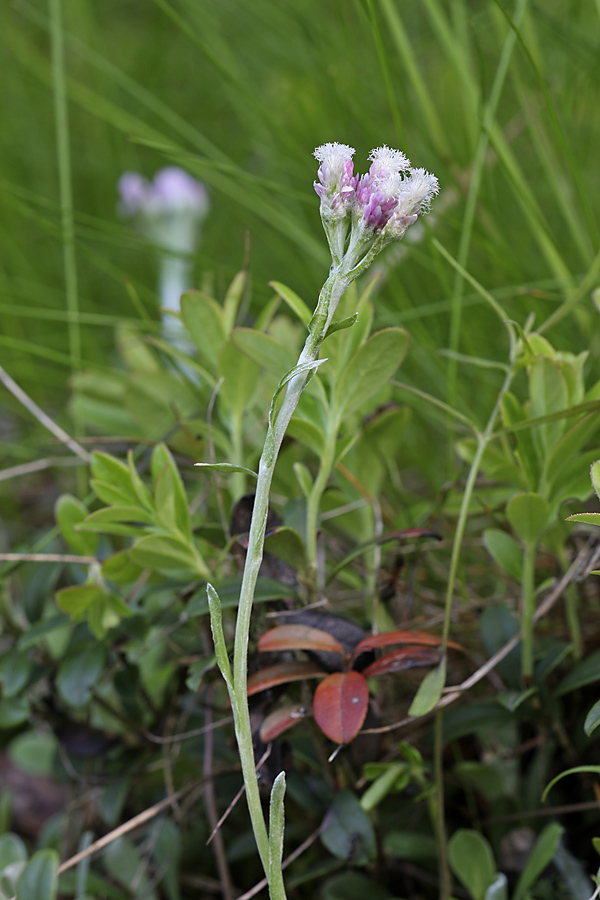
<point>48,558</point>
<point>11,385</point>
<point>38,465</point>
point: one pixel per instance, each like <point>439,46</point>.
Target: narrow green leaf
<point>276,828</point>
<point>577,770</point>
<point>224,468</point>
<point>592,720</point>
<point>585,518</point>
<point>541,856</point>
<point>430,691</point>
<point>348,322</point>
<point>232,300</point>
<point>216,625</point>
<point>293,301</point>
<point>595,476</point>
<point>169,493</point>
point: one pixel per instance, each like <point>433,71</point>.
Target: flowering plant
<point>361,215</point>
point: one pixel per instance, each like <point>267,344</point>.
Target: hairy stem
<point>329,298</point>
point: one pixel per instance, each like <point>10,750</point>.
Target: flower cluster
<point>378,207</point>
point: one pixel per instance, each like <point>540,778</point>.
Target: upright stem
<point>314,500</point>
<point>329,298</point>
<point>528,611</point>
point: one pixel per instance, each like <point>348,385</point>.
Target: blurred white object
<point>169,211</point>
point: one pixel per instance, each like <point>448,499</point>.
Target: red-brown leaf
<point>406,658</point>
<point>400,637</point>
<point>340,705</point>
<point>298,637</point>
<point>281,673</point>
<point>280,720</point>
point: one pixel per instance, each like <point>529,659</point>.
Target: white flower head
<point>337,181</point>
<point>387,162</point>
<point>415,196</point>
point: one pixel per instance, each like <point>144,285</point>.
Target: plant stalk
<point>329,298</point>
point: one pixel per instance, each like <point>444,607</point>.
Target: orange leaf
<point>340,705</point>
<point>406,658</point>
<point>271,676</point>
<point>298,637</point>
<point>400,637</point>
<point>280,720</point>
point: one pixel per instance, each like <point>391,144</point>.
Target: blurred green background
<point>239,92</point>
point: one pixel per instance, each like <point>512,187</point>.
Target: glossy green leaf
<point>472,861</point>
<point>79,673</point>
<point>203,319</point>
<point>346,831</point>
<point>528,515</point>
<point>70,512</point>
<point>370,369</point>
<point>541,856</point>
<point>39,880</point>
<point>430,691</point>
<point>505,551</point>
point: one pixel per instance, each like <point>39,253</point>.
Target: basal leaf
<point>340,705</point>
<point>298,637</point>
